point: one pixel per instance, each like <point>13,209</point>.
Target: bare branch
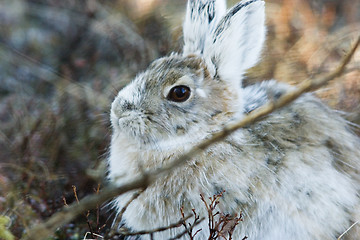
<point>68,213</point>
<point>121,213</point>
<point>42,231</point>
<point>124,232</point>
<point>189,230</point>
<point>186,231</point>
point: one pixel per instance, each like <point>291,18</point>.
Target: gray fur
<point>294,174</point>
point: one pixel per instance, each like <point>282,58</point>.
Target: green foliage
<point>4,231</point>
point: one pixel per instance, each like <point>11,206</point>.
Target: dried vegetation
<point>62,62</point>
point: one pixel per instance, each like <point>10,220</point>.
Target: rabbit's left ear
<point>202,17</point>
<point>237,41</point>
<point>231,43</point>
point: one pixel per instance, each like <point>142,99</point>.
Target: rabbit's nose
<point>128,106</point>
<point>121,108</point>
<point>124,118</point>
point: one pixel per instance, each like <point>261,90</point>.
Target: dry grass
<point>62,62</point>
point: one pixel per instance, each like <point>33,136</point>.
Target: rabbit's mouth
<point>137,126</point>
<point>133,124</point>
<point>149,132</point>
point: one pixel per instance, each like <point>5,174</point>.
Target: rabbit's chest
<point>182,188</point>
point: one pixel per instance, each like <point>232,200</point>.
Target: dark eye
<point>179,93</point>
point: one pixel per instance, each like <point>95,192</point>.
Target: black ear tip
<point>241,5</point>
<point>211,16</point>
<point>202,17</point>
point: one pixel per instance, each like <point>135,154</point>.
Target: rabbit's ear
<point>237,41</point>
<point>202,17</point>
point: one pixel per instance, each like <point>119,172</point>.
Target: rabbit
<point>292,175</point>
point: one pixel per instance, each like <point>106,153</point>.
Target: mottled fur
<point>294,175</point>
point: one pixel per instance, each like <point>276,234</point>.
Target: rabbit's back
<point>304,124</point>
<point>310,160</point>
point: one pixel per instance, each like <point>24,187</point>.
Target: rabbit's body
<point>293,175</point>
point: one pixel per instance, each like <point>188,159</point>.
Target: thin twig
<point>160,229</point>
<point>46,229</point>
<point>96,235</point>
<point>186,230</point>
<point>98,210</point>
<point>121,213</point>
<point>189,229</point>
<point>42,231</point>
<point>75,193</point>
<point>343,234</point>
<point>64,200</point>
<point>86,214</point>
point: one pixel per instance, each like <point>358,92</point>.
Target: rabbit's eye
<point>179,93</point>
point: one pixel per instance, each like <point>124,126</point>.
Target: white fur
<point>201,93</point>
<point>238,46</point>
<point>197,21</point>
<point>230,47</point>
<point>294,174</point>
<point>234,44</point>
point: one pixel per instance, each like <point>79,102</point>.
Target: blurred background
<point>63,62</point>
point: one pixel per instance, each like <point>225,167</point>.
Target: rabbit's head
<point>180,97</point>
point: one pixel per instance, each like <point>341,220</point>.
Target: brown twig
<point>119,216</point>
<point>89,223</point>
<point>237,220</point>
<point>214,201</point>
<point>75,193</point>
<point>86,214</point>
<point>46,229</point>
<point>97,191</point>
<point>64,200</point>
<point>124,232</point>
<point>189,230</point>
<point>186,231</point>
<point>225,224</point>
<point>42,231</point>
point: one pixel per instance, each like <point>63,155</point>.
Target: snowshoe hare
<point>293,175</point>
